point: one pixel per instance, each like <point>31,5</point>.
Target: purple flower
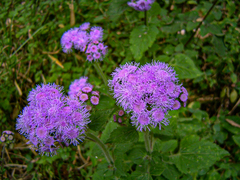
<point>75,89</point>
<point>183,97</point>
<point>83,97</point>
<point>85,26</point>
<point>89,58</point>
<point>96,33</point>
<point>85,40</point>
<point>141,5</point>
<point>176,105</point>
<point>94,100</point>
<point>87,89</point>
<point>148,92</point>
<point>96,93</point>
<point>49,116</point>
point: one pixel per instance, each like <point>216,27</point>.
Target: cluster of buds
<point>118,117</point>
<point>85,39</point>
<point>83,91</point>
<point>7,137</point>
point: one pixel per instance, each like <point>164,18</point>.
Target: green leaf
<point>141,38</point>
<point>99,118</point>
<point>137,155</point>
<point>179,48</point>
<point>236,139</point>
<point>219,46</point>
<point>233,78</point>
<point>229,127</point>
<point>185,67</point>
<point>105,102</point>
<point>116,9</point>
<point>124,135</point>
<point>195,155</point>
<point>156,165</point>
<point>108,129</point>
<point>191,25</point>
<point>171,172</point>
<point>170,145</point>
<point>140,176</point>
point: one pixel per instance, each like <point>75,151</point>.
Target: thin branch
<point>193,34</point>
<point>234,107</point>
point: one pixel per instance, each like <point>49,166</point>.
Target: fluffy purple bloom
<point>148,92</point>
<point>48,118</point>
<point>85,40</point>
<point>96,51</point>
<point>141,5</point>
<point>96,33</point>
<point>85,26</point>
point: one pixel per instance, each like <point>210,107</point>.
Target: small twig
<point>193,34</point>
<point>8,154</point>
<point>80,154</point>
<point>15,165</point>
<point>84,165</point>
<point>233,123</point>
<point>234,107</point>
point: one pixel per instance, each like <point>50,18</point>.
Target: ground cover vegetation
<point>158,90</point>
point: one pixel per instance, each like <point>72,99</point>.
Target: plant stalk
<point>100,72</point>
<point>105,151</point>
<point>193,34</point>
<point>145,18</point>
<point>148,141</point>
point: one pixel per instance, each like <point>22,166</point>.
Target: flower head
<point>141,5</point>
<point>85,39</point>
<point>148,92</point>
<point>78,86</point>
<point>49,116</point>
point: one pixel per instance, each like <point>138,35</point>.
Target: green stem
<point>193,34</point>
<point>25,42</point>
<point>148,141</point>
<point>95,139</point>
<point>145,18</point>
<point>100,72</point>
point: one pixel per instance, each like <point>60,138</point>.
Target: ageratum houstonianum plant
<point>148,92</point>
<point>141,5</point>
<point>51,119</point>
<point>85,39</point>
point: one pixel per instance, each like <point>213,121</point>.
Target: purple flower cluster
<point>83,90</point>
<point>7,137</point>
<point>148,92</point>
<point>85,39</point>
<point>52,119</point>
<point>141,5</point>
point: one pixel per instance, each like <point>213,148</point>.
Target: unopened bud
<point>10,137</point>
<point>182,31</point>
<point>89,108</point>
<point>120,120</point>
<point>121,113</point>
<point>3,139</point>
<point>114,118</point>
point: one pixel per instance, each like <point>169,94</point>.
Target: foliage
<point>202,140</point>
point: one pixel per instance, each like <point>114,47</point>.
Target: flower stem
<point>105,151</point>
<point>100,72</point>
<point>148,141</point>
<point>145,18</point>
